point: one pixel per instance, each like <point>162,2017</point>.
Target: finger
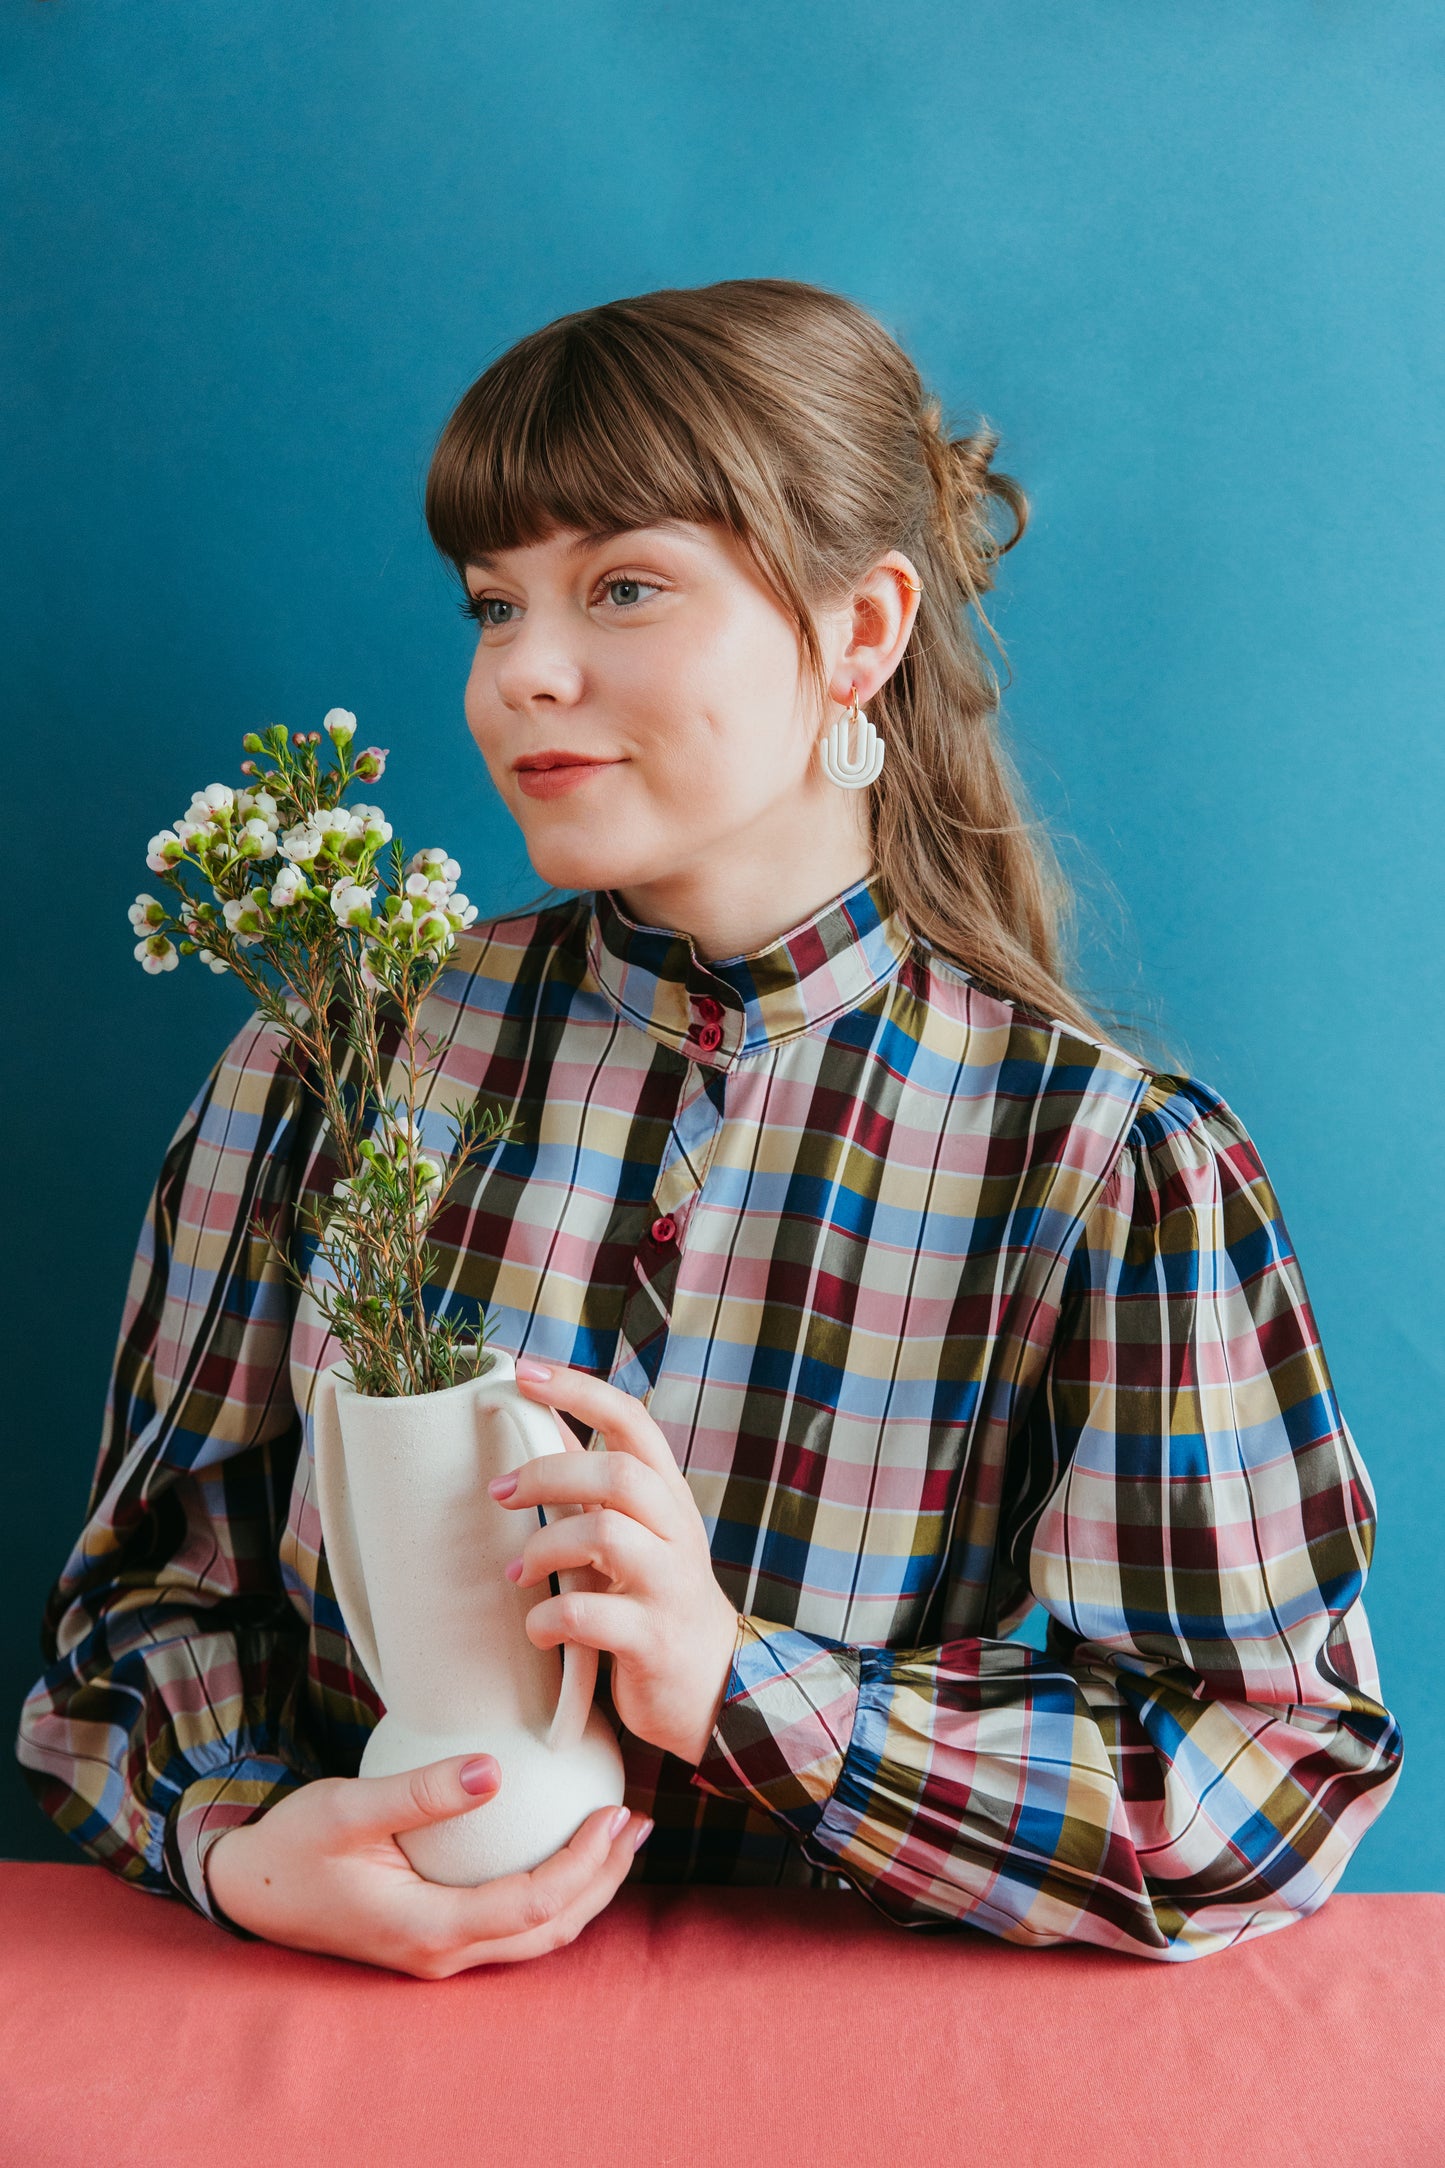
<point>622,1419</point>
<point>567,1923</point>
<point>515,1904</point>
<point>619,1547</point>
<point>599,1620</point>
<point>380,1806</point>
<point>594,1479</point>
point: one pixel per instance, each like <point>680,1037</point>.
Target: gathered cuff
<point>240,1792</point>
<point>784,1725</point>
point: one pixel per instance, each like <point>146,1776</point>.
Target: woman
<point>904,1297</point>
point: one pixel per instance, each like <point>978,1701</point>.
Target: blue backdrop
<point>1185,259</point>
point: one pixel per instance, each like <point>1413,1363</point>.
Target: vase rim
<point>440,1392</point>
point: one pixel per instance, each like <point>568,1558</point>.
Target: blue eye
<point>640,588</point>
<point>481,608</point>
<point>477,606</point>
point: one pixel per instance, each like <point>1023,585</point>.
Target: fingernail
<point>514,1570</point>
<point>529,1367</point>
<point>642,1833</point>
<point>479,1774</point>
<point>502,1486</point>
<point>618,1823</point>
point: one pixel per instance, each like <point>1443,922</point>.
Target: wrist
<point>716,1684</point>
<point>222,1882</point>
<point>228,1800</point>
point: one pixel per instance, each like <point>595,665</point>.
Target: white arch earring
<point>864,764</point>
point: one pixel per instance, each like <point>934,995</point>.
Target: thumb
<point>413,1797</point>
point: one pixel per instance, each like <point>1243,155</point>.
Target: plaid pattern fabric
<point>944,1308</point>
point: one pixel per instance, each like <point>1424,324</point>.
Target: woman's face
<point>662,658</point>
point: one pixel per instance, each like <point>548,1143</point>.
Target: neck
<point>738,900</point>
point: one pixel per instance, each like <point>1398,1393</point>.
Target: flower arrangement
<point>281,883</point>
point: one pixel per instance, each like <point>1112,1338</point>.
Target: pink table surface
<point>709,2026</point>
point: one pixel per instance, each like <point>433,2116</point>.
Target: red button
<point>706,1006</point>
<point>709,1036</point>
<point>664,1229</point>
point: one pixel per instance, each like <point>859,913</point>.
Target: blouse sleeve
<point>1201,1747</point>
<point>168,1710</point>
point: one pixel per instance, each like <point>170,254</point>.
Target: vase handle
<point>539,1430</point>
<point>338,1526</point>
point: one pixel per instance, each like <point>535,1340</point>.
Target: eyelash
<point>473,606</point>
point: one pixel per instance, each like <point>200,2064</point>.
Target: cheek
<point>723,721</point>
<point>480,708</point>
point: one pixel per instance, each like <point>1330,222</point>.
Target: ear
<point>877,621</point>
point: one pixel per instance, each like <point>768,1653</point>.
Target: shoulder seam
<point>1040,1018</point>
<point>1159,1088</point>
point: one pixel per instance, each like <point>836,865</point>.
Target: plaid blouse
<point>945,1308</point>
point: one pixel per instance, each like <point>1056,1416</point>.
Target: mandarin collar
<point>716,1009</point>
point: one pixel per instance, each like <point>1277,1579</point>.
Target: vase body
<point>417,1549</point>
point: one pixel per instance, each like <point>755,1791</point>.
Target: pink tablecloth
<point>699,2027</point>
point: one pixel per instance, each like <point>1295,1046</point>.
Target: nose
<point>536,668</point>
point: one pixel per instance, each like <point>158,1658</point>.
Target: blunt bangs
<point>590,424</point>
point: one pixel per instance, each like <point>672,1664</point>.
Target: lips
<point>548,775</point>
<point>530,761</point>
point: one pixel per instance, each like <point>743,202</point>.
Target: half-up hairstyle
<point>787,414</point>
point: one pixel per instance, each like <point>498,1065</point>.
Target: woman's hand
<point>670,1628</point>
<point>322,1870</point>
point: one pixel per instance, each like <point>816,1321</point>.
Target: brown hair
<point>788,415</point>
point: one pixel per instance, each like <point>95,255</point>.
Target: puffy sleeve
<point>168,1710</point>
<point>1198,1751</point>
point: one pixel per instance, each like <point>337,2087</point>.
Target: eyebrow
<point>486,560</point>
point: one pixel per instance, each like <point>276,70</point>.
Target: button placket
<point>706,1030</point>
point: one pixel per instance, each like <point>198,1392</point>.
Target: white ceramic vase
<point>417,1548</point>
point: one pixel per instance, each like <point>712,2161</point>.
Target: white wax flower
<point>156,953</point>
<point>164,849</point>
<point>288,885</point>
<point>146,911</point>
<point>339,725</point>
<point>247,916</point>
<point>260,838</point>
<point>206,804</point>
<point>351,903</point>
<point>434,865</point>
<point>209,956</point>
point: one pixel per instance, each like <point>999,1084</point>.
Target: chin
<point>576,862</point>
